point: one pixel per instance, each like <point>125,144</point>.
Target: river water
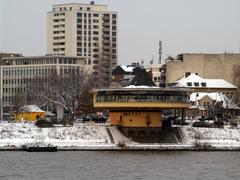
<point>102,165</point>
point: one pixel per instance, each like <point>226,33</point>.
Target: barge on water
<point>40,148</point>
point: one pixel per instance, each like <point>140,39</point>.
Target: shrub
<point>121,144</point>
<point>233,124</point>
<point>202,124</point>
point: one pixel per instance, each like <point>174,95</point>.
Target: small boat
<point>40,148</point>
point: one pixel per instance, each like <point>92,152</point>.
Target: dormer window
<point>204,84</point>
<point>189,83</point>
<point>196,84</point>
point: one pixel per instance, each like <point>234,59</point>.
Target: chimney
<point>92,2</point>
<point>187,74</point>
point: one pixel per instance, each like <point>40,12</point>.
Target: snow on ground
<point>18,134</point>
<point>212,136</point>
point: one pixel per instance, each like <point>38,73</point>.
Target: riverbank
<point>99,137</point>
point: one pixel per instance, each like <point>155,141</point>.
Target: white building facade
<point>16,72</point>
<point>86,30</point>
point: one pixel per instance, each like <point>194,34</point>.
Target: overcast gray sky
<point>211,26</point>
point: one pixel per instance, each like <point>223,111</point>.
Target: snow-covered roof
<point>141,87</point>
<point>31,108</point>
<point>127,68</point>
<point>196,81</point>
<point>216,96</point>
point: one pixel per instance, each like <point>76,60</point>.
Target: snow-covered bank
<point>212,136</point>
<point>18,134</point>
<point>95,137</point>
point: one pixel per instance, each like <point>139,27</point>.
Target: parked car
<point>79,120</point>
<point>99,118</point>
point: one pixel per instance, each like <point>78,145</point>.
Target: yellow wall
<point>136,119</point>
<point>28,116</point>
<point>168,105</point>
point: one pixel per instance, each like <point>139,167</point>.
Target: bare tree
<point>71,91</point>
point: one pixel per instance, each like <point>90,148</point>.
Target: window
<point>204,84</point>
<point>196,84</point>
<point>95,15</point>
<point>189,83</point>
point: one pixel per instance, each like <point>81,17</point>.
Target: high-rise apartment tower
<point>86,30</point>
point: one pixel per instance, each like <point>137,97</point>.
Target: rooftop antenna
<point>160,52</point>
<point>239,47</point>
<point>142,62</point>
<point>152,60</point>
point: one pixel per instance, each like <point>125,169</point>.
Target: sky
<point>184,26</point>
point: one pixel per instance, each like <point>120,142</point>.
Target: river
<point>102,165</point>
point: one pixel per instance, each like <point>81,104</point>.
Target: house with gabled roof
<point>207,93</point>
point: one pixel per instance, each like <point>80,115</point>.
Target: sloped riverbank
<point>82,137</point>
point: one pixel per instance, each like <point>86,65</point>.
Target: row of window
<point>59,38</point>
<point>24,80</point>
<point>203,84</point>
<point>106,39</point>
<point>131,114</point>
<point>89,26</point>
<point>87,15</point>
<point>80,8</point>
<point>24,72</point>
<point>89,32</point>
<point>59,32</point>
<point>142,98</point>
<point>85,21</point>
<point>62,8</point>
<point>59,14</point>
<point>59,26</point>
<point>47,61</point>
<point>58,49</point>
<point>58,20</point>
<point>59,43</point>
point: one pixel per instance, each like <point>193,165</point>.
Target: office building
<point>86,30</point>
<point>16,72</point>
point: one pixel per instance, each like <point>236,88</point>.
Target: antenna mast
<point>160,52</point>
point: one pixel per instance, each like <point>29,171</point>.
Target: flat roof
<point>85,4</point>
<point>47,56</point>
